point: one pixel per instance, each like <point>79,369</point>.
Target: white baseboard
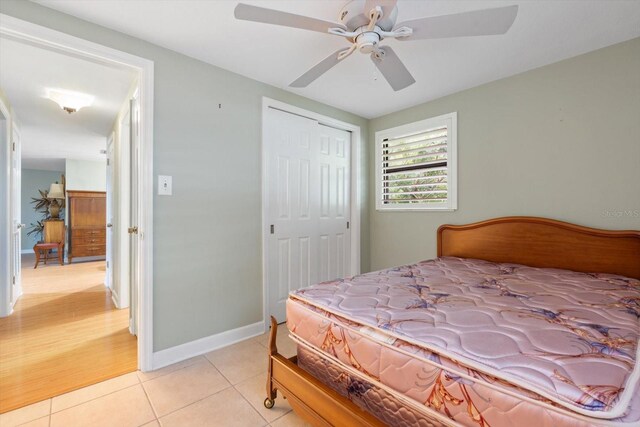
<point>200,346</point>
<point>13,303</point>
<point>114,297</point>
<point>90,258</point>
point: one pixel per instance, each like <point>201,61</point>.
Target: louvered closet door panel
<point>291,202</point>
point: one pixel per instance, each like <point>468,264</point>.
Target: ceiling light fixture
<point>69,101</point>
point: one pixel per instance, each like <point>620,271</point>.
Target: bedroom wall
<point>207,255</point>
<point>32,181</point>
<point>561,141</point>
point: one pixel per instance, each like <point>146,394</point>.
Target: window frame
<point>450,120</point>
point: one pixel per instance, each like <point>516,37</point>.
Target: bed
<point>518,319</point>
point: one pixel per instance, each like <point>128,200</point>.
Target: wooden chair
<point>54,238</point>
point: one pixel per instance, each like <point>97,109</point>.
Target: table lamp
<point>55,194</point>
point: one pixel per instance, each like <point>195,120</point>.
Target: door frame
<point>15,290</point>
<point>5,226</point>
<point>123,239</point>
<point>108,277</point>
<point>46,37</point>
<point>355,196</point>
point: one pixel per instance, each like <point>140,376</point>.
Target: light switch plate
<point>164,185</point>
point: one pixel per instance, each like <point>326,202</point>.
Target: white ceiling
<point>544,32</point>
<point>48,133</point>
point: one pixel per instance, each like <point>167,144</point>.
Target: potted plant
<point>44,205</point>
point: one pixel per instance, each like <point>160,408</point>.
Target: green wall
<point>207,254</point>
<point>32,181</point>
<point>561,141</point>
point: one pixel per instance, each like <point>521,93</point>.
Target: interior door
<point>16,225</point>
<point>122,212</point>
<point>134,215</point>
<point>108,280</point>
<point>306,204</point>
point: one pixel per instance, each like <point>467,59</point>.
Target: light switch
<point>164,185</point>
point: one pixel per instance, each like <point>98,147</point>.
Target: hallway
<point>65,333</point>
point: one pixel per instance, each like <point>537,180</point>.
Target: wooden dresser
<point>87,218</point>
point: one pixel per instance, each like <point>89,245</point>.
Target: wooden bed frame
<point>541,242</point>
<point>537,242</point>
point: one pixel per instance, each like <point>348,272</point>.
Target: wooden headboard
<point>541,242</point>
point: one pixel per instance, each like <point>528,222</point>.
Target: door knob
<point>109,225</point>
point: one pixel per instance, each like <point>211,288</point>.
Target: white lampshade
<point>55,192</point>
<point>69,101</point>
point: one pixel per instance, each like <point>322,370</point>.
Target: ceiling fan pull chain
<point>374,73</point>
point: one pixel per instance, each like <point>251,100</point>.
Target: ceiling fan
<point>365,23</point>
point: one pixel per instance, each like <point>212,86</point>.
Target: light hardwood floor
<point>225,387</point>
<point>65,333</point>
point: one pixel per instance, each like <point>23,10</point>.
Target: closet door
<point>333,215</point>
<point>306,205</point>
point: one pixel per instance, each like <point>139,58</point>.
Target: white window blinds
<point>415,168</point>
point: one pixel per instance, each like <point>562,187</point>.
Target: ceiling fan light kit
<point>366,23</point>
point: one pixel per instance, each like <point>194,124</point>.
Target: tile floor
<point>225,387</point>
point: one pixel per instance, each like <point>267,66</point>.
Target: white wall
<point>86,175</point>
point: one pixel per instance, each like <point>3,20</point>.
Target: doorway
<point>36,36</point>
<point>310,201</point>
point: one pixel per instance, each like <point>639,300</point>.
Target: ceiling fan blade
<point>322,67</point>
<point>484,22</point>
<point>393,69</point>
<point>270,16</point>
<point>386,5</point>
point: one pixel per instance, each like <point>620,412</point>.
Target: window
<point>416,165</point>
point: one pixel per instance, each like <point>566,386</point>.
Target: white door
<point>122,212</point>
<point>334,213</point>
<point>306,204</point>
<point>108,280</point>
<point>16,225</point>
<point>134,238</point>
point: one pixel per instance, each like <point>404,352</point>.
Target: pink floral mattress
<point>375,400</point>
<point>455,333</point>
